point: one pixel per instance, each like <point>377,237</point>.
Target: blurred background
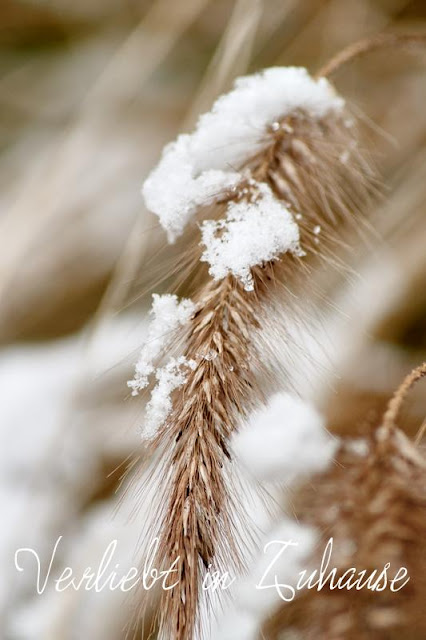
<point>90,91</point>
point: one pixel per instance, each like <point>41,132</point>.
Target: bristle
<point>313,168</point>
<point>391,416</point>
<point>372,505</point>
<point>196,527</point>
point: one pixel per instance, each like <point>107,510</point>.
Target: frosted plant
<point>264,169</point>
<point>198,168</point>
<point>371,502</point>
<point>252,233</point>
<point>170,377</point>
<point>167,315</point>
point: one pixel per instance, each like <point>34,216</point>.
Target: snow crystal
<point>168,314</point>
<point>284,440</point>
<point>252,233</point>
<point>174,189</point>
<point>196,168</point>
<point>170,377</point>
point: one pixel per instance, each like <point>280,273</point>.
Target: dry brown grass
<point>373,506</point>
<point>304,166</point>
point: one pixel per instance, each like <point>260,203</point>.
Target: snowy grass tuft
<point>198,168</point>
<point>170,377</point>
<point>252,233</point>
<point>168,314</point>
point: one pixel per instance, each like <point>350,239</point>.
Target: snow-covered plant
<point>371,502</point>
<point>271,176</point>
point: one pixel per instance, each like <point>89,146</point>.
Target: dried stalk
<point>304,167</point>
<point>373,506</point>
<point>316,169</point>
<point>391,416</point>
<point>420,434</point>
<point>368,45</point>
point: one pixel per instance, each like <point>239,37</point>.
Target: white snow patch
<point>251,234</point>
<point>285,440</point>
<point>170,377</point>
<point>175,189</point>
<point>285,552</point>
<point>197,168</point>
<point>168,314</point>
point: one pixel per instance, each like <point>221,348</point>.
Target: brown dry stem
<point>363,47</point>
<point>316,169</point>
<point>390,418</point>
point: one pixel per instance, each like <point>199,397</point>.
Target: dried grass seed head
<point>282,137</point>
<point>199,168</point>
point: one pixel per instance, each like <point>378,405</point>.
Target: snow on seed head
<point>253,232</point>
<point>198,168</point>
<point>168,313</point>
